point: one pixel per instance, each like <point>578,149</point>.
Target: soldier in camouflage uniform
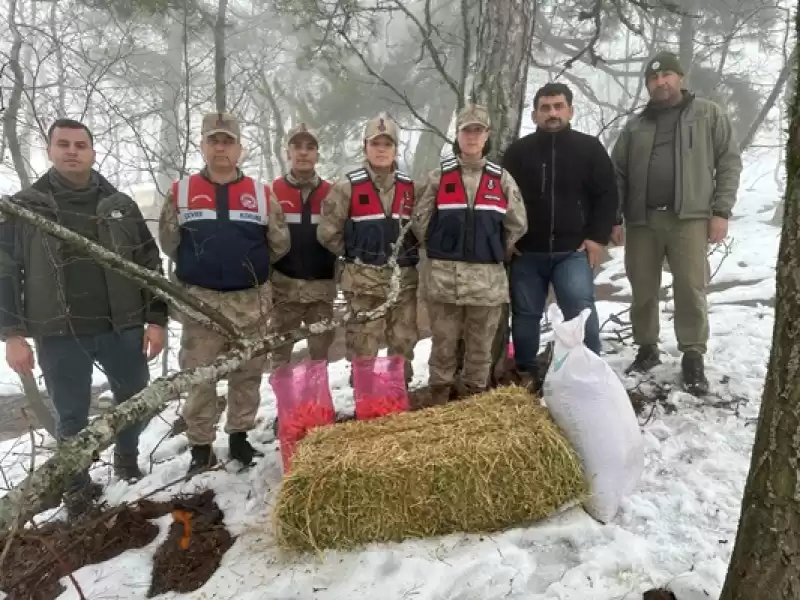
<point>361,220</point>
<point>469,219</point>
<point>303,281</point>
<point>223,230</point>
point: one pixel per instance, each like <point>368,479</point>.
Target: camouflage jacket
<point>469,284</point>
<point>360,279</point>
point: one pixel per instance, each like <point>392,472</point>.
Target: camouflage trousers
<point>476,325</point>
<point>399,326</point>
<point>201,346</point>
<point>288,316</point>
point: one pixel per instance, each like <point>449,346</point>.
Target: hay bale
<point>479,465</point>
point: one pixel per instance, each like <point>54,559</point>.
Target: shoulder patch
<point>494,168</point>
<point>449,164</point>
<point>358,175</point>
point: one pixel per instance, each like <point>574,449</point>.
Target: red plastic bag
<point>303,399</point>
<point>379,386</point>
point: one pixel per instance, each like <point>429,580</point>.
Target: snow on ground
<point>676,529</point>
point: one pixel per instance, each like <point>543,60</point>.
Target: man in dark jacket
<point>569,187</point>
<point>76,311</point>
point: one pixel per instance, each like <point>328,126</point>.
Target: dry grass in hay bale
<point>191,554</point>
<point>479,465</point>
<point>39,557</point>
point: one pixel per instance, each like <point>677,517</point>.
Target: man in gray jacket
<point>76,311</point>
<point>678,168</point>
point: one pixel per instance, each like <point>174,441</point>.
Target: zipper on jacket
<point>553,194</point>
<point>691,137</point>
<point>544,177</point>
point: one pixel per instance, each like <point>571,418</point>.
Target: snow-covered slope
<point>678,528</point>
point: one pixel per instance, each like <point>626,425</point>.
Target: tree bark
<point>11,114</point>
<point>428,152</point>
<point>504,55</point>
<point>768,104</point>
<point>766,557</point>
<point>220,91</point>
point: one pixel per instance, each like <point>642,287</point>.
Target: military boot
<point>694,376</point>
<point>203,458</point>
<point>440,394</point>
<point>646,359</point>
<point>531,382</point>
<point>126,467</point>
<point>79,502</point>
<point>466,391</point>
<point>241,449</point>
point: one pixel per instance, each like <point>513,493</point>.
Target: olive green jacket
<point>708,163</point>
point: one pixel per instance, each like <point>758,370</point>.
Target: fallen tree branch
<point>75,454</point>
<point>184,301</point>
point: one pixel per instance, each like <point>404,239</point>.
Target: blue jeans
<point>67,363</point>
<point>573,283</point>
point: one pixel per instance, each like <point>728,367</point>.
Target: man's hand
<point>19,355</point>
<point>594,252</point>
<point>618,235</point>
<point>717,229</point>
<point>154,339</point>
<point>511,253</point>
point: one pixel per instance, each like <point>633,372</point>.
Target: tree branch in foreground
<point>75,454</point>
<point>184,301</point>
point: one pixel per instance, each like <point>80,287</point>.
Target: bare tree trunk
<point>169,139</point>
<point>11,114</point>
<point>766,557</point>
<point>61,105</point>
<point>504,55</point>
<point>280,133</point>
<point>429,147</point>
<point>768,104</point>
<point>220,91</point>
<point>686,40</point>
<point>29,128</point>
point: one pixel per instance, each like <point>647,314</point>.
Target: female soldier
<point>468,219</point>
<point>361,219</point>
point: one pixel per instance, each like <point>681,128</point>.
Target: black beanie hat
<point>663,61</point>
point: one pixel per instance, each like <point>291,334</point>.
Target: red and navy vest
<point>307,258</point>
<point>223,233</point>
<point>462,233</point>
<point>369,232</point>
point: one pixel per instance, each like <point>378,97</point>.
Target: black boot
<point>202,458</point>
<point>646,358</point>
<point>531,382</point>
<point>79,502</point>
<point>694,376</point>
<point>126,467</point>
<point>241,449</point>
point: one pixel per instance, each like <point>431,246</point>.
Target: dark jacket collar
<point>542,135</point>
<point>651,110</point>
<point>43,184</point>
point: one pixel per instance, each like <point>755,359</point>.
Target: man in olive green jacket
<point>76,311</point>
<point>678,167</point>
